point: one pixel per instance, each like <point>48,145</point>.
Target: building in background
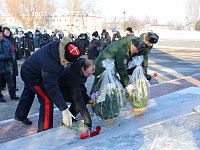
<point>74,22</point>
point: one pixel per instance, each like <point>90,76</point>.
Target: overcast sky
<point>162,10</point>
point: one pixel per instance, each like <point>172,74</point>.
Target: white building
<point>74,22</point>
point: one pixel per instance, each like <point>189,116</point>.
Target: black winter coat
<point>72,86</point>
<point>94,48</point>
<point>13,48</point>
<point>43,67</point>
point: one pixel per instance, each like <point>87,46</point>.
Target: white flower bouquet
<point>137,91</point>
<point>108,93</point>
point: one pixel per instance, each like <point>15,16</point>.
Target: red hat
<point>72,52</point>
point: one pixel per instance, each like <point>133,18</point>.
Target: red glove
<point>90,133</point>
<point>155,74</point>
<point>84,134</point>
<point>96,132</point>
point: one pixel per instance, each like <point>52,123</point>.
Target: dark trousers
<point>45,121</point>
<point>14,81</point>
<point>3,83</point>
<point>7,78</point>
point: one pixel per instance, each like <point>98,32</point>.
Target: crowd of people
<point>56,73</point>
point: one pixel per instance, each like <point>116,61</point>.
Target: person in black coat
<point>6,60</point>
<point>83,43</point>
<point>44,39</point>
<point>72,85</point>
<point>94,47</point>
<point>40,74</point>
<point>105,40</point>
<point>8,35</point>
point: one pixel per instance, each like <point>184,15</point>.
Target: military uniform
<point>120,51</point>
<point>145,52</point>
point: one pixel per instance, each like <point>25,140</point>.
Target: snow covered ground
<point>176,34</point>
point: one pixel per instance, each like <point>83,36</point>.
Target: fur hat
<point>69,51</point>
<point>95,34</point>
<point>152,37</point>
<point>137,42</point>
<point>1,29</point>
<point>129,29</point>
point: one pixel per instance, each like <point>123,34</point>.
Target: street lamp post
<point>124,19</point>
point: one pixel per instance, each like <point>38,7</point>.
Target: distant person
<point>116,34</point>
<point>54,37</point>
<point>105,40</point>
<point>37,37</point>
<point>94,47</point>
<point>83,43</point>
<point>45,39</point>
<point>6,59</point>
<point>8,35</point>
<point>129,32</point>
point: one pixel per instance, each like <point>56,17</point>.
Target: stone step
<point>11,130</point>
<point>160,109</point>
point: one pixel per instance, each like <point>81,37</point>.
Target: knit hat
<point>72,52</point>
<point>152,37</point>
<point>95,34</point>
<point>137,42</point>
<point>1,29</point>
<point>114,29</point>
<point>104,31</point>
<point>68,51</point>
<point>129,29</point>
<point>37,30</point>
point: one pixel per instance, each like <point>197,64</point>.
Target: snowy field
<point>177,34</point>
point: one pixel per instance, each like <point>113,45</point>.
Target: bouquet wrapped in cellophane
<point>137,91</point>
<point>107,93</point>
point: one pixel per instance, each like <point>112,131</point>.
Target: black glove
<point>145,69</point>
<point>148,76</point>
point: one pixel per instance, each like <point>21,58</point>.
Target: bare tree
<point>135,23</point>
<point>147,20</point>
<point>174,24</point>
<point>79,10</point>
<point>30,13</point>
<point>192,11</point>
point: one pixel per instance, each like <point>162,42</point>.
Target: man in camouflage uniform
<point>149,39</point>
<point>121,51</point>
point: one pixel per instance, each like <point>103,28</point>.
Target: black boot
<point>2,100</point>
<point>26,121</point>
<point>16,98</point>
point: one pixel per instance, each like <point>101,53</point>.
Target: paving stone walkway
<point>10,130</point>
<point>169,123</point>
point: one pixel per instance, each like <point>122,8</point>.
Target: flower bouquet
<point>137,91</point>
<point>107,94</point>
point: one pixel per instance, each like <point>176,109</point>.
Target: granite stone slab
<point>166,124</point>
